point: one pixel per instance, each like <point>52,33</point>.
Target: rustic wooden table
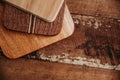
<point>97,29</point>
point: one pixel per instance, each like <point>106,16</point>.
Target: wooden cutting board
<point>19,20</point>
<point>45,9</point>
<point>16,44</point>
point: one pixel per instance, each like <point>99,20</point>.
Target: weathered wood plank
<point>103,8</point>
<point>33,69</point>
<point>26,69</point>
<point>95,43</point>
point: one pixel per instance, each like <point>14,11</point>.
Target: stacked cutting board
<point>82,44</point>
<point>29,25</point>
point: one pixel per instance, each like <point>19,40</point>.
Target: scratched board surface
<point>95,43</point>
<point>40,70</point>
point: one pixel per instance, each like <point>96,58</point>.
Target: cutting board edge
<point>15,57</point>
<point>47,20</point>
<point>69,24</point>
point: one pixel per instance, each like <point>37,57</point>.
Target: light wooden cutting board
<point>15,44</point>
<point>45,9</point>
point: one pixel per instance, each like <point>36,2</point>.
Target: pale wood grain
<point>15,44</point>
<point>45,9</point>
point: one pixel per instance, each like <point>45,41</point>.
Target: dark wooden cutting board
<point>19,20</point>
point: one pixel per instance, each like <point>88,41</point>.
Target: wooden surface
<point>24,68</point>
<point>27,69</point>
<point>15,44</point>
<point>17,20</point>
<point>45,9</point>
<point>103,8</point>
<point>94,43</point>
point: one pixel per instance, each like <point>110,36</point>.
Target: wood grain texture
<point>27,69</point>
<point>103,8</point>
<point>53,28</point>
<point>95,43</point>
<point>45,9</point>
<point>23,69</point>
<point>15,44</point>
<point>18,20</point>
<point>15,19</point>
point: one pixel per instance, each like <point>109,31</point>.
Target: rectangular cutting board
<point>16,44</point>
<point>45,9</point>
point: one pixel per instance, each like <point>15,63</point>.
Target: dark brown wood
<point>18,20</point>
<point>27,69</point>
<point>43,27</point>
<point>94,38</point>
<point>87,40</point>
<point>15,19</point>
<point>103,8</point>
